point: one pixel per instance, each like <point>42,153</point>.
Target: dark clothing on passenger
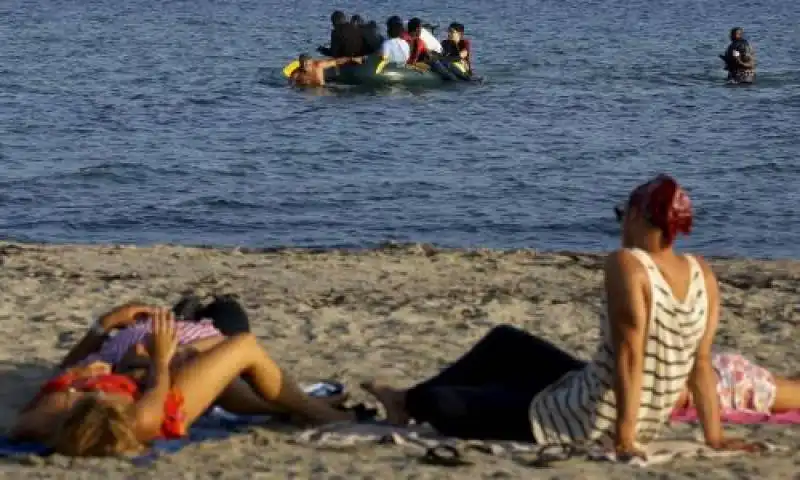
<point>346,41</point>
<point>451,49</point>
<point>372,40</point>
<point>487,393</point>
<point>735,71</point>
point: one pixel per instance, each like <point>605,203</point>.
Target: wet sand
<point>399,313</point>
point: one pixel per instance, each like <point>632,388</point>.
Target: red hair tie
<point>666,205</point>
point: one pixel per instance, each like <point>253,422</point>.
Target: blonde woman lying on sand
<point>99,353</point>
<point>662,314</point>
<point>101,413</point>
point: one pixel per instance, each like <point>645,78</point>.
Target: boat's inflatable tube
<point>376,72</point>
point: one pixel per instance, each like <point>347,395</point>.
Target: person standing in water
<point>739,58</point>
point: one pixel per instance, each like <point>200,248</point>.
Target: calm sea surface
<point>167,121</point>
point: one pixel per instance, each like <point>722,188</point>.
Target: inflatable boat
<point>377,72</point>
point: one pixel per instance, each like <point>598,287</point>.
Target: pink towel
<point>742,417</point>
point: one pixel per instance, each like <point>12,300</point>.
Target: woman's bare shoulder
<point>623,260</point>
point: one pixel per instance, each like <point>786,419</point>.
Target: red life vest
<point>417,50</point>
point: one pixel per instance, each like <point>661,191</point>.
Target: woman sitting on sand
<point>743,386</point>
<point>662,313</point>
<point>109,413</point>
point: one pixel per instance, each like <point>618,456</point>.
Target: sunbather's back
<point>582,405</point>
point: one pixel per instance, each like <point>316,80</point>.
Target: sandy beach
<point>399,312</point>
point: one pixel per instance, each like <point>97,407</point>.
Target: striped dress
<point>581,406</point>
<point>115,348</point>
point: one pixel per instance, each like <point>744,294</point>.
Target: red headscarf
<point>665,204</point>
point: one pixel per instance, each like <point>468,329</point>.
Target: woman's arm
<point>702,379</point>
<point>38,422</point>
<point>149,410</point>
<point>91,342</point>
<point>627,314</point>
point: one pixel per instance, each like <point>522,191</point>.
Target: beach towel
<point>216,424</point>
<point>741,417</point>
<point>453,452</point>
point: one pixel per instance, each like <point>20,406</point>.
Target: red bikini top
<point>109,383</point>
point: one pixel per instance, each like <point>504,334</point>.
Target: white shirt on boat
<point>431,43</point>
<point>396,50</point>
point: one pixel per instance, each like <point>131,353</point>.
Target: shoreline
<point>397,312</point>
<point>386,247</point>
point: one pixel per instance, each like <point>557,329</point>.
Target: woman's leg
<point>787,394</point>
<point>510,356</point>
<point>228,315</point>
<point>488,412</point>
<point>506,356</point>
<point>205,377</point>
<point>240,398</point>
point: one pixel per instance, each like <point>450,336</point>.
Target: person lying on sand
<point>97,355</point>
<point>662,314</point>
<point>744,386</point>
<point>110,414</point>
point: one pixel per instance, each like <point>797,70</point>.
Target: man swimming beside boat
<point>311,73</point>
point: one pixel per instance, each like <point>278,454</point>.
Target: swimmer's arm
<point>702,379</point>
<point>627,315</point>
<point>149,410</point>
<point>324,64</point>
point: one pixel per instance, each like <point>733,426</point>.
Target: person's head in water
<point>737,33</point>
<point>455,32</point>
<point>414,27</point>
<point>655,214</point>
<point>395,30</point>
<point>338,18</point>
<point>305,62</point>
<point>357,20</point>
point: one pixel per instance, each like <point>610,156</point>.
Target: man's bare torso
<point>314,77</point>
